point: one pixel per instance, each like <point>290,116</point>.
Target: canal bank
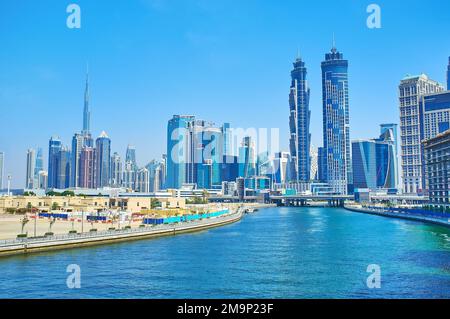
<point>437,220</point>
<point>59,242</point>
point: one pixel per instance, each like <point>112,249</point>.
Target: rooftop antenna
<point>333,48</point>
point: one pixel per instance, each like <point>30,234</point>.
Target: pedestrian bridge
<point>301,200</point>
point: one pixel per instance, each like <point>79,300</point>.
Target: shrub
<point>22,236</point>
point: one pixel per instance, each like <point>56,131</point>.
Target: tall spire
<point>333,47</point>
<point>86,111</point>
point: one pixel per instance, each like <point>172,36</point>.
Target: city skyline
<point>58,89</point>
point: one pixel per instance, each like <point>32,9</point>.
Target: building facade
<point>411,90</point>
<point>336,125</point>
<point>116,170</point>
<point>102,160</point>
<point>437,169</point>
<point>87,167</point>
<point>54,148</point>
<point>299,121</point>
<point>31,164</point>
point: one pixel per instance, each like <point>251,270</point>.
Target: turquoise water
<point>274,253</point>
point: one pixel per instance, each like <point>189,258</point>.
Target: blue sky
<point>219,60</point>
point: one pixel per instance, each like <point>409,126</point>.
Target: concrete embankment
<point>384,213</point>
<point>32,245</point>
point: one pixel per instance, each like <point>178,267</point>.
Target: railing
<point>109,233</point>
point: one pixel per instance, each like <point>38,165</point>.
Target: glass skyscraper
<point>299,119</point>
<point>448,75</point>
<point>103,160</point>
<point>247,158</point>
<point>336,125</point>
<point>39,164</point>
<point>374,162</point>
<point>31,162</point>
<point>54,148</point>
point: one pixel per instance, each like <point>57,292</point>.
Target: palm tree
<point>23,222</point>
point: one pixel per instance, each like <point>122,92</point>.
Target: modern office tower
<point>411,89</point>
<point>314,164</point>
<point>281,167</point>
<point>130,156</point>
<point>247,158</point>
<point>226,133</point>
<point>374,162</point>
<point>336,126</point>
<point>177,150</point>
<point>204,173</point>
<point>42,180</point>
<point>163,172</point>
<point>143,181</point>
<point>2,164</point>
<point>437,162</point>
<point>435,114</point>
<point>299,118</point>
<point>102,160</point>
<point>205,148</point>
<point>54,147</point>
<point>87,167</point>
<point>86,111</point>
<point>229,168</point>
<point>77,145</point>
<point>321,165</point>
<point>63,168</point>
<point>116,170</point>
<point>394,132</point>
<point>31,162</point>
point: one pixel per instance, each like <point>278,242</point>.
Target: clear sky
<point>224,61</point>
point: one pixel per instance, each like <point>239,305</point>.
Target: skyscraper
<point>336,125</point>
<point>63,168</point>
<point>2,163</point>
<point>299,119</point>
<point>314,162</point>
<point>77,145</point>
<point>87,167</point>
<point>130,156</point>
<point>247,158</point>
<point>411,89</point>
<point>321,165</point>
<point>143,181</point>
<point>116,170</point>
<point>177,150</point>
<point>103,160</point>
<point>39,166</point>
<point>86,111</point>
<point>54,147</point>
<point>392,127</point>
<point>31,162</point>
<point>281,167</point>
<point>42,180</point>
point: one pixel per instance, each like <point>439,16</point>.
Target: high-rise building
<point>130,156</point>
<point>177,150</point>
<point>77,145</point>
<point>116,170</point>
<point>314,164</point>
<point>434,114</point>
<point>87,167</point>
<point>437,163</point>
<point>226,133</point>
<point>129,176</point>
<point>393,128</point>
<point>63,168</point>
<point>281,167</point>
<point>39,166</point>
<point>31,162</point>
<point>374,162</point>
<point>321,165</point>
<point>143,180</point>
<point>42,180</point>
<point>86,111</point>
<point>155,170</point>
<point>299,119</point>
<point>411,90</point>
<point>247,158</point>
<point>2,164</point>
<point>336,125</point>
<point>103,160</point>
<point>54,148</point>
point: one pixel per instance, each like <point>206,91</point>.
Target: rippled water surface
<point>274,253</point>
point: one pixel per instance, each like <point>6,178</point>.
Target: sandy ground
<point>10,226</point>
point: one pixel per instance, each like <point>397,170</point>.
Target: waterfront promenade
<point>31,245</point>
<point>438,219</point>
